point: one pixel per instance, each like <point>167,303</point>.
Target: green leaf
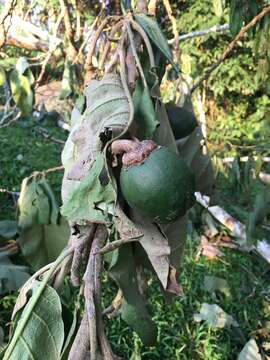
<point>41,244</point>
<point>151,27</point>
<point>67,83</point>
<point>8,63</point>
<point>21,91</point>
<point>36,204</point>
<point>260,211</point>
<point>94,198</point>
<point>53,204</point>
<point>144,112</point>
<point>3,77</point>
<point>8,229</point>
<point>30,76</point>
<point>27,209</point>
<point>12,276</point>
<point>236,21</point>
<point>218,7</point>
<point>21,65</point>
<point>250,351</point>
<point>133,311</point>
<point>43,335</point>
<point>198,160</point>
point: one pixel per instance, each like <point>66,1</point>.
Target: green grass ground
<point>179,337</point>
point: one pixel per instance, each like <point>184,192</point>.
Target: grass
<point>179,337</point>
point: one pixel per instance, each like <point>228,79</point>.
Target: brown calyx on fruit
<point>134,151</point>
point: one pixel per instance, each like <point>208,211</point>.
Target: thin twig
<point>168,8</point>
<point>51,51</point>
<point>115,245</point>
<point>11,121</point>
<point>192,34</point>
<point>101,236</point>
<point>231,46</point>
<point>47,136</point>
<point>9,7</point>
<point>152,7</point>
<point>90,33</point>
<point>92,46</point>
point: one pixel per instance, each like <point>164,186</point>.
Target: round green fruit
<point>182,121</point>
<point>161,187</point>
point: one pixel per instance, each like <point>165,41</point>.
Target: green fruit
<point>160,188</point>
<point>182,121</point>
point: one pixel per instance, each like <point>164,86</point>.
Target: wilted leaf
<point>43,335</point>
<point>151,27</point>
<point>8,229</point>
<point>133,311</point>
<point>105,117</point>
<point>173,286</point>
<point>94,198</point>
<point>250,351</point>
<point>23,296</point>
<point>213,284</point>
<point>156,246</point>
<point>12,276</point>
<point>41,244</point>
<point>125,227</point>
<point>2,76</point>
<point>208,249</point>
<point>214,316</point>
<point>263,248</point>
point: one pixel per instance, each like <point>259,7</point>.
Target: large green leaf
<point>133,311</point>
<point>41,244</point>
<point>151,27</point>
<point>94,198</point>
<point>43,335</point>
<point>12,276</point>
<point>21,91</point>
